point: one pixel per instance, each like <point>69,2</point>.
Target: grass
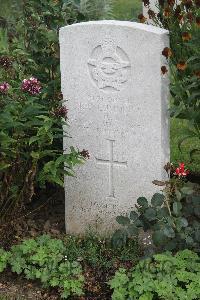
<point>177,129</point>
<point>127,9</point>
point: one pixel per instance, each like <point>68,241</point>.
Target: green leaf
<point>142,201</point>
<point>150,214</point>
<point>4,166</point>
<point>146,296</point>
<point>35,155</point>
<point>177,206</point>
<point>123,220</point>
<point>157,199</point>
<point>183,222</point>
<point>133,216</point>
<point>33,139</point>
<point>178,194</point>
<point>162,213</point>
<point>197,235</point>
<point>119,238</point>
<point>158,237</point>
<point>187,190</point>
<point>132,230</point>
<point>168,231</point>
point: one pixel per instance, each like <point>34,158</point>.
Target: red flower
<point>181,170</point>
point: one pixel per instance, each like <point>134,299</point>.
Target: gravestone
<point>117,101</point>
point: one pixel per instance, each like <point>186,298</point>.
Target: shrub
<point>31,122</point>
<point>29,137</point>
<point>162,277</point>
<point>173,218</point>
<point>183,22</point>
<point>44,258</point>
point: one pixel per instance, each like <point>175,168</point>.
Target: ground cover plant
<point>162,277</point>
<point>172,217</point>
<point>65,264</point>
<point>44,259</point>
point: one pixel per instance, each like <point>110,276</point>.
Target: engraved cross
<point>111,163</point>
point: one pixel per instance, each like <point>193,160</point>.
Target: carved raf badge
<point>109,66</point>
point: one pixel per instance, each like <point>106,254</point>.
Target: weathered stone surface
<point>117,100</point>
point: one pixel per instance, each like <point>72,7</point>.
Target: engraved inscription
<point>109,66</point>
<point>111,163</point>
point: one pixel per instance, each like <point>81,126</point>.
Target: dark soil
<point>194,177</point>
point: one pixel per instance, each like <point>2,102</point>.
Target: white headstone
<point>117,100</point>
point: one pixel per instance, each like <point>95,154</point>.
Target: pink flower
<point>4,87</point>
<point>60,112</point>
<point>32,86</point>
<point>181,170</point>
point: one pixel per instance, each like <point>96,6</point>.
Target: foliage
<point>31,124</point>
<point>183,22</point>
<point>96,9</point>
<point>178,126</point>
<point>98,252</point>
<point>173,218</point>
<point>162,277</point>
<point>49,259</point>
<point>44,258</point>
<point>30,155</point>
<point>4,257</point>
<point>126,9</point>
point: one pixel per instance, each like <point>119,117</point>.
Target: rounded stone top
<point>127,24</point>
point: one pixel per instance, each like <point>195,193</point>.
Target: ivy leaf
<point>158,237</point>
<point>142,201</point>
<point>150,214</point>
<point>133,216</point>
<point>119,238</point>
<point>157,199</point>
<point>132,230</point>
<point>123,220</point>
<point>187,190</point>
<point>169,231</point>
